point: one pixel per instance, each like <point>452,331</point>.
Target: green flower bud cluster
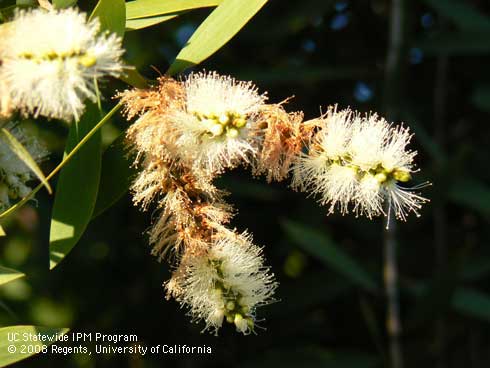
<point>227,124</point>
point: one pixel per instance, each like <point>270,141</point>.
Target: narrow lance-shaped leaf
<point>140,23</point>
<point>117,174</point>
<point>59,4</point>
<point>8,274</point>
<point>112,15</point>
<point>24,155</point>
<point>76,190</point>
<point>13,348</point>
<point>322,247</point>
<point>150,8</point>
<point>216,30</point>
<point>472,303</point>
<point>461,13</point>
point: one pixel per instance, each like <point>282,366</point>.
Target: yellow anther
<point>224,119</point>
<point>230,305</point>
<point>216,129</point>
<point>402,175</point>
<point>87,60</point>
<point>380,177</point>
<point>240,122</point>
<point>232,133</point>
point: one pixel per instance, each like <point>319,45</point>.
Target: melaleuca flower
<point>14,173</point>
<point>191,208</point>
<point>211,123</point>
<point>52,59</point>
<point>358,161</point>
<point>215,123</point>
<point>209,119</point>
<point>226,282</point>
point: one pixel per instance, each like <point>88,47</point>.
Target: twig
<point>439,208</point>
<point>393,324</point>
<point>392,96</point>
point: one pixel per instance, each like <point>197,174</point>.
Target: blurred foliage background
<point>332,306</point>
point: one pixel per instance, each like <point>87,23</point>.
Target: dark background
<point>321,52</point>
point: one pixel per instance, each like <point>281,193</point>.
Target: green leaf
<point>216,30</point>
<point>66,159</point>
<point>151,8</point>
<point>116,177</point>
<point>8,274</point>
<point>471,193</point>
<point>472,303</point>
<point>135,24</point>
<point>134,78</point>
<point>76,190</point>
<point>17,352</point>
<point>60,4</point>
<point>461,13</point>
<point>437,296</point>
<point>452,43</point>
<point>322,247</point>
<point>2,231</point>
<point>481,98</point>
<point>112,15</point>
<point>24,155</point>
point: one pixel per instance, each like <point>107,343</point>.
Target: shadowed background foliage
<point>332,306</point>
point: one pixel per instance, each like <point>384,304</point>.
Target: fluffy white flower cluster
<point>228,282</point>
<point>359,160</point>
<point>51,60</point>
<point>214,125</point>
<point>188,132</point>
<point>14,174</point>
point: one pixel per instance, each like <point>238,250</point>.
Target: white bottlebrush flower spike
<point>358,161</point>
<point>214,124</point>
<point>52,59</point>
<point>14,174</point>
<point>228,282</point>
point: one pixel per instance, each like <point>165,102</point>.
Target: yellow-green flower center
<point>228,124</point>
<point>83,58</point>
<point>379,172</point>
<point>235,310</point>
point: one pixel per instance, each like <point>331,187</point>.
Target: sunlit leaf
<point>139,23</point>
<point>8,274</point>
<point>24,155</point>
<point>216,30</point>
<point>319,245</point>
<point>59,4</point>
<point>150,8</point>
<point>76,190</point>
<point>14,351</point>
<point>112,15</point>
